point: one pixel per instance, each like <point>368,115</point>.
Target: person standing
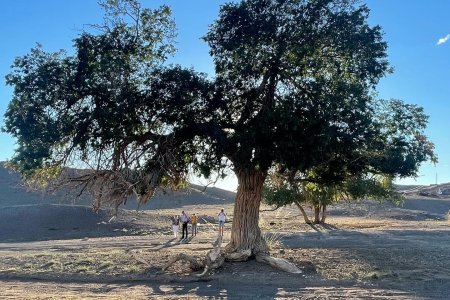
<point>222,218</point>
<point>175,225</point>
<point>184,221</point>
<point>194,224</point>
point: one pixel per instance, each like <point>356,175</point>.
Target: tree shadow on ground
<point>232,282</point>
<point>411,261</point>
<point>317,227</point>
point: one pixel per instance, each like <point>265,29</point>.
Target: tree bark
<point>245,231</point>
<point>305,216</point>
<point>324,210</point>
<point>316,214</point>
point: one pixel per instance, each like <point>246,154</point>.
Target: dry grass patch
<point>334,264</point>
<point>95,262</point>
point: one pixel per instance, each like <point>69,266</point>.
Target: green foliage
<point>293,88</point>
<point>280,191</point>
<point>296,76</point>
<point>319,194</point>
<point>95,109</point>
<point>401,144</point>
<point>279,195</point>
<point>378,187</point>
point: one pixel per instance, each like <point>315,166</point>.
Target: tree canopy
<point>294,88</point>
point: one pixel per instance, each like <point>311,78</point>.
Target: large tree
<point>293,88</point>
<point>296,77</point>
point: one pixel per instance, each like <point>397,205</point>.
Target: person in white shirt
<point>222,218</point>
<point>184,218</point>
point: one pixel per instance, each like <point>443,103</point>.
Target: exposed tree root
<point>195,265</point>
<point>238,256</point>
<point>216,258</point>
<point>278,263</point>
<point>135,255</point>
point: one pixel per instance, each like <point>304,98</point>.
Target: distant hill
<point>13,192</point>
<point>401,187</point>
<point>432,190</point>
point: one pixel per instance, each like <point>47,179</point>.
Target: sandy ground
<point>365,251</point>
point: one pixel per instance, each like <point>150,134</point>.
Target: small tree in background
<point>281,191</point>
<point>394,149</point>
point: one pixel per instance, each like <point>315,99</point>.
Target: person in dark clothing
<point>184,218</point>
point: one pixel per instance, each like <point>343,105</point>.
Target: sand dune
<point>14,192</point>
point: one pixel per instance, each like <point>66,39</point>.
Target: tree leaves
<point>294,88</point>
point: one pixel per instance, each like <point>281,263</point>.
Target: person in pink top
<point>222,218</point>
<point>175,224</point>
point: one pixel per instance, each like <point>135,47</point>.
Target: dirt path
<point>366,252</point>
<point>406,261</point>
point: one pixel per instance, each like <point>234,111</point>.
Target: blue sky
<point>412,29</point>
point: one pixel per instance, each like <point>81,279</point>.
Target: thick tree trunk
<point>245,232</point>
<point>324,215</point>
<point>246,240</point>
<point>305,216</point>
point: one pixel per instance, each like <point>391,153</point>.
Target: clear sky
<point>417,32</point>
